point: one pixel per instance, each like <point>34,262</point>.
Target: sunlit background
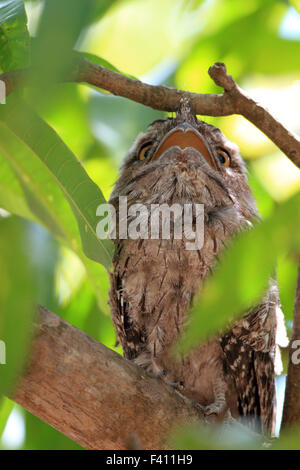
<point>173,42</point>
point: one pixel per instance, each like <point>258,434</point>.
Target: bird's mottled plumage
<point>154,281</point>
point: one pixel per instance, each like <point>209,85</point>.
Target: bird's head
<point>183,159</point>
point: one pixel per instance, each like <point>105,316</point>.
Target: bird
<point>154,280</point>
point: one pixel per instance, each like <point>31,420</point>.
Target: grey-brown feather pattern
<point>154,281</point>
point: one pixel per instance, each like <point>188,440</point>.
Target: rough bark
<point>291,411</point>
<point>93,395</point>
<point>232,101</point>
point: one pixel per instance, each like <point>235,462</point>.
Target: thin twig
<point>288,142</point>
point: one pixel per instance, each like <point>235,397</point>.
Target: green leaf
<point>265,203</point>
<point>207,437</point>
<point>17,291</point>
<point>61,168</point>
<point>66,112</point>
<point>17,165</point>
<point>11,193</point>
<point>60,25</point>
<point>14,36</point>
<point>37,192</point>
<point>242,277</point>
<point>6,407</point>
<point>287,269</point>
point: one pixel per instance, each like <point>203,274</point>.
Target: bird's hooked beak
<point>183,136</point>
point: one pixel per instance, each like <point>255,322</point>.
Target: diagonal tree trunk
<point>93,395</point>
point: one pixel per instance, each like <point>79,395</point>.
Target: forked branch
<point>232,101</point>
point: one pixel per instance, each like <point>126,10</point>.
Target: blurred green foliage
<point>199,437</point>
<point>17,294</point>
<point>64,169</point>
<point>242,276</point>
<point>47,243</point>
<point>14,36</point>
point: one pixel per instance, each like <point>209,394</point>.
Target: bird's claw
<point>214,409</point>
<point>164,375</point>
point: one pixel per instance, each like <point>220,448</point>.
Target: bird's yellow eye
<point>144,152</point>
<point>223,157</point>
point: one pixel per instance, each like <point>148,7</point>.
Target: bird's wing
<point>253,375</point>
<point>249,349</point>
<point>131,334</point>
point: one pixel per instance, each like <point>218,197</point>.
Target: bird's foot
<point>164,375</point>
<point>219,406</point>
<point>215,408</point>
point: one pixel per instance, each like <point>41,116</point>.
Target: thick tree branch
<point>232,101</point>
<point>93,395</point>
<point>291,411</point>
